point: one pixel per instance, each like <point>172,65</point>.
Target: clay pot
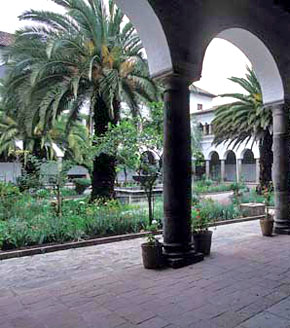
<point>152,256</point>
<point>202,241</point>
<point>267,226</point>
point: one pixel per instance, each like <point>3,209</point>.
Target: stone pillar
<point>239,169</point>
<point>281,168</point>
<point>205,129</point>
<point>207,169</point>
<point>177,174</point>
<point>223,170</point>
<point>210,129</point>
<point>257,170</point>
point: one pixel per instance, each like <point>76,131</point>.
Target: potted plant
<point>201,235</point>
<point>267,223</point>
<point>152,250</point>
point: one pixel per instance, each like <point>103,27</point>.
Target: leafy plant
<point>81,184</point>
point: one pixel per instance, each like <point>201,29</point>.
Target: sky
<point>222,59</point>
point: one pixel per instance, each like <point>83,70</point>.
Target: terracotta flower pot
<point>202,241</point>
<point>152,256</point>
<point>267,226</point>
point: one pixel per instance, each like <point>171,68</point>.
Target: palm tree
<point>245,120</point>
<point>75,143</point>
<point>89,53</point>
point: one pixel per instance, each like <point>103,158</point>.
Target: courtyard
<point>244,283</point>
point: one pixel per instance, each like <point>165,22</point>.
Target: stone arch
<point>248,169</point>
<point>262,60</point>
<point>230,166</point>
<point>151,33</point>
<point>214,165</point>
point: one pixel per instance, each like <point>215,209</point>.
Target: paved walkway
<point>245,283</point>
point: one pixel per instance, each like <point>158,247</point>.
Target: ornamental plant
<point>201,222</point>
<point>266,192</point>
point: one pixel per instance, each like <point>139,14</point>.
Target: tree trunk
<point>266,160</point>
<point>104,168</point>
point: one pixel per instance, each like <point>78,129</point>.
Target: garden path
<point>244,283</point>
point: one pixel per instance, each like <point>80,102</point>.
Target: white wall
<point>199,99</point>
<point>9,172</point>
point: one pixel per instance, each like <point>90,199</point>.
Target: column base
<point>282,229</point>
<point>178,259</point>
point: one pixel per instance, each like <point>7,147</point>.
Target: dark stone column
<point>281,168</point>
<point>177,174</point>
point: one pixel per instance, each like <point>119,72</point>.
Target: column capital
<point>175,82</point>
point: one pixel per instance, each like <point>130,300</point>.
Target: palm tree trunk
<point>104,167</point>
<point>266,160</point>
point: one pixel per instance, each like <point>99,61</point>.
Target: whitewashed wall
<point>9,172</point>
<point>199,99</point>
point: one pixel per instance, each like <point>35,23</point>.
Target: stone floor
<point>245,283</point>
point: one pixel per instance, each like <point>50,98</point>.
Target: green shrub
<point>8,190</point>
<point>32,221</point>
<point>207,186</point>
<point>81,185</point>
<point>253,197</point>
<point>215,211</point>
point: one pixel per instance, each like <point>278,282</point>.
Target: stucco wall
<point>199,99</point>
<point>9,172</point>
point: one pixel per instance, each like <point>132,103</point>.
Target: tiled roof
<point>198,90</point>
<point>6,39</point>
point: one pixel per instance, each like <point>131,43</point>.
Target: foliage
<point>31,171</point>
<point>152,240</point>
<point>9,193</point>
<point>209,211</point>
<point>8,190</point>
<point>82,184</point>
<point>200,221</point>
<point>196,136</point>
<point>246,119</point>
<point>237,188</point>
<point>267,200</point>
<point>33,221</point>
<point>254,197</point>
<point>208,186</point>
<point>89,55</point>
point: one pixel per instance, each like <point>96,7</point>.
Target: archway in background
<point>262,61</point>
<point>249,166</point>
<point>150,32</point>
<point>215,166</point>
<point>230,166</point>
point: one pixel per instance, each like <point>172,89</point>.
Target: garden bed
<point>49,248</point>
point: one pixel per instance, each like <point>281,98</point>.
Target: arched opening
<point>151,33</point>
<point>230,166</point>
<point>215,166</point>
<point>249,166</point>
<point>262,60</point>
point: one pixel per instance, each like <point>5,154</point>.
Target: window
<point>199,106</point>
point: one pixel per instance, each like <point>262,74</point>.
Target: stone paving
<point>245,283</point>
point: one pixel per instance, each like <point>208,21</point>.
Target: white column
<point>239,169</point>
<point>223,170</point>
<point>257,170</point>
<point>210,129</point>
<point>207,169</point>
